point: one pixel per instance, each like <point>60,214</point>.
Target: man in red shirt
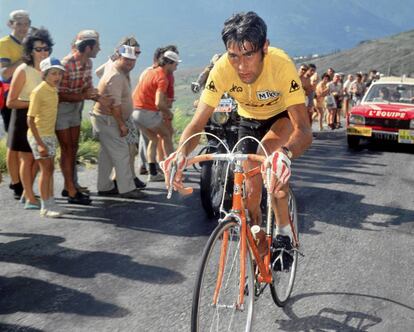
<point>151,106</point>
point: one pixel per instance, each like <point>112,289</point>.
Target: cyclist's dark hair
<point>245,27</point>
<point>84,44</point>
<point>311,65</point>
<point>41,35</point>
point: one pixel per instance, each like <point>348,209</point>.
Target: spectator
<point>75,88</point>
<point>310,93</point>
<point>372,76</point>
<point>132,137</point>
<point>331,73</point>
<point>11,51</point>
<point>161,153</point>
<point>37,47</point>
<point>357,90</point>
<point>335,90</point>
<point>321,92</point>
<point>151,106</point>
<point>347,92</point>
<point>41,134</point>
<point>111,128</point>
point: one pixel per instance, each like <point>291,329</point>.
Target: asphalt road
<point>122,265</point>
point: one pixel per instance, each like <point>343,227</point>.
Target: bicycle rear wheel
<point>224,314</point>
<point>283,281</point>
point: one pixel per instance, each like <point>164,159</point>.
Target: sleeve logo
<point>211,86</point>
<point>294,86</point>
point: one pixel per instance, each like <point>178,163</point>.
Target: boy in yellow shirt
<point>41,120</point>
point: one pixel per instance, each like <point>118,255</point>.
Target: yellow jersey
<point>277,87</point>
<point>43,107</point>
<point>11,50</point>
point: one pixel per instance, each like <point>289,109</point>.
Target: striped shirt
<point>77,78</point>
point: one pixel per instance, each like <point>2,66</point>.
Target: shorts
<point>6,114</point>
<point>257,129</point>
<point>338,103</point>
<point>49,141</point>
<point>147,119</point>
<point>17,134</point>
<point>69,115</point>
<point>309,100</point>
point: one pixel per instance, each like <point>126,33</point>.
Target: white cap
<point>171,56</point>
<point>127,52</point>
<point>19,14</point>
<point>86,35</point>
<point>49,63</point>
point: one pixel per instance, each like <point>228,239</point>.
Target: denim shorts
<point>147,119</point>
<point>69,115</point>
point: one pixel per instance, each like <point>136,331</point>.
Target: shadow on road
<point>354,214</point>
<point>180,216</point>
<point>44,252</point>
<point>333,319</point>
<point>21,294</point>
<point>14,328</point>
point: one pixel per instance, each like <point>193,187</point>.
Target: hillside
<point>393,55</point>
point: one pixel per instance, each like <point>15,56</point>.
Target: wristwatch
<point>287,152</point>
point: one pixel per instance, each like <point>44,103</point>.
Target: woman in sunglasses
<point>37,46</point>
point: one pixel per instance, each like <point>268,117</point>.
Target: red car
<point>386,112</point>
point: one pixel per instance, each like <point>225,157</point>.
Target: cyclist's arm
<point>196,125</point>
<point>301,137</point>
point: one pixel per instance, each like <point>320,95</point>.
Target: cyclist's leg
<point>276,137</point>
<point>250,127</point>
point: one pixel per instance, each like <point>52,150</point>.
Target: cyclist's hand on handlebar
<point>180,161</point>
<point>279,164</point>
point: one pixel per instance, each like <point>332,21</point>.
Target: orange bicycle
<point>232,273</point>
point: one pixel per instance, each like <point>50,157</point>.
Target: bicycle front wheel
<point>216,303</point>
<point>283,281</point>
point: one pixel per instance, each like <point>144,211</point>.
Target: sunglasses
<point>303,69</point>
<point>40,49</point>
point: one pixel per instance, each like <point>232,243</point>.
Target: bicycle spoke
<point>226,314</point>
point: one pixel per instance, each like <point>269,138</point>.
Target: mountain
<point>392,56</point>
<point>300,27</point>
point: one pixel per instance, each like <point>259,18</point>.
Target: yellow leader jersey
<point>276,88</point>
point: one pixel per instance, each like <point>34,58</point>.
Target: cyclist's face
<point>247,62</point>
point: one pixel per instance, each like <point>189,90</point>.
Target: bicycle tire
<point>223,316</point>
<point>283,281</point>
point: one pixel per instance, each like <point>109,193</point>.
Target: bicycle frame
<point>238,213</point>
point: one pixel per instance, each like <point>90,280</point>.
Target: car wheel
<point>353,141</point>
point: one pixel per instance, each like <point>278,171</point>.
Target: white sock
<point>286,230</point>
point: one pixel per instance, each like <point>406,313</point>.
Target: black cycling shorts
<point>257,129</point>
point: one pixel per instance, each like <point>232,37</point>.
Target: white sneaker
<point>159,177</point>
<point>50,213</point>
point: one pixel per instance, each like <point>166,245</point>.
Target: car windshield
<point>391,93</point>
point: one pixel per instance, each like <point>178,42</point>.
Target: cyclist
<point>271,103</point>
